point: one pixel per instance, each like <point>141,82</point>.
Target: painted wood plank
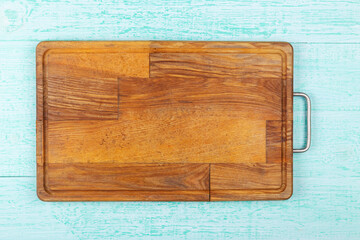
<point>301,21</point>
<point>322,207</point>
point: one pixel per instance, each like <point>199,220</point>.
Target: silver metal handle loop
<point>308,122</point>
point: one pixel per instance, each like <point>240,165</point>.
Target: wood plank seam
<point>156,50</point>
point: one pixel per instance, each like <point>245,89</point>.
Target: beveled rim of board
<point>283,49</point>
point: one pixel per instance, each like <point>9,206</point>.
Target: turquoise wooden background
<point>325,36</point>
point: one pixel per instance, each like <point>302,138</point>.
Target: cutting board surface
<point>164,121</point>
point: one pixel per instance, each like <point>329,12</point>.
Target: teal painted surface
<point>325,36</point>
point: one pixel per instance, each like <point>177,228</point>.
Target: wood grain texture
<point>111,177</point>
<point>241,97</point>
<point>277,177</point>
<point>189,137</point>
<point>326,183</point>
<point>298,216</point>
<point>304,21</point>
<point>85,85</point>
<point>76,98</point>
<point>169,103</point>
<point>214,65</point>
<point>273,141</point>
<point>226,176</point>
<point>315,65</point>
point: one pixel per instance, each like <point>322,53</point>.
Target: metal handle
<point>308,122</point>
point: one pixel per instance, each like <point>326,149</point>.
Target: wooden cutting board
<point>164,121</point>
